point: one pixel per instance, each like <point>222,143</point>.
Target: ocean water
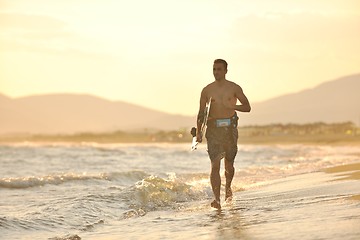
<point>162,191</point>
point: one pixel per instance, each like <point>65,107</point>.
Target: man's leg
<point>215,182</point>
<point>229,175</point>
<point>231,151</point>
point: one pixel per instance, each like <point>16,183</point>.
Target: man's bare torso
<point>223,96</point>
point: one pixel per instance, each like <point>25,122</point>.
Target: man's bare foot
<point>228,195</point>
<point>216,204</point>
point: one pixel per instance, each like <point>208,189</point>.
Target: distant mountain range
<point>71,113</point>
<point>333,101</point>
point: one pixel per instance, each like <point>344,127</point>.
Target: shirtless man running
<point>221,133</point>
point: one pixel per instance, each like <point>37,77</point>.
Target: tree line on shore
<point>319,131</point>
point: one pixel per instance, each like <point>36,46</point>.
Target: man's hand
<point>244,107</point>
<point>196,133</point>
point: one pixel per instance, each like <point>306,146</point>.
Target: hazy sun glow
<point>159,53</point>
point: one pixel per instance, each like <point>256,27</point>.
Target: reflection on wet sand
<point>230,223</point>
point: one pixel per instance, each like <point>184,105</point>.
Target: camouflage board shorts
<point>222,141</point>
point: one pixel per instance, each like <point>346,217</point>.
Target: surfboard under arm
<point>203,126</point>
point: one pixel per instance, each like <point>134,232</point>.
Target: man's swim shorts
<point>222,140</point>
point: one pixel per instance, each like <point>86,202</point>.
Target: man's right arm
<point>200,116</point>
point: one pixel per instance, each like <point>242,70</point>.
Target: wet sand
<point>319,205</point>
<point>347,172</point>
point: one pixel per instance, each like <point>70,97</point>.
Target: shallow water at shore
<point>162,191</point>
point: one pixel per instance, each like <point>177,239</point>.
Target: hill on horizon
<point>332,101</point>
<point>73,113</point>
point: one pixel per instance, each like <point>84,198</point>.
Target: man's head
<point>219,69</point>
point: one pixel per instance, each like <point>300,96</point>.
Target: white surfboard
<point>203,126</point>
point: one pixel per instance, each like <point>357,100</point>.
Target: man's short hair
<point>221,61</point>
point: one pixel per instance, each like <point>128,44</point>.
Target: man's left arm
<point>245,105</point>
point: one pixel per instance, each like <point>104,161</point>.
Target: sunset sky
<point>159,53</point>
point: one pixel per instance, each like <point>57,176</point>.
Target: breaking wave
<point>155,192</point>
<point>57,179</point>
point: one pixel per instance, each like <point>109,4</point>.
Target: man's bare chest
<point>219,95</point>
